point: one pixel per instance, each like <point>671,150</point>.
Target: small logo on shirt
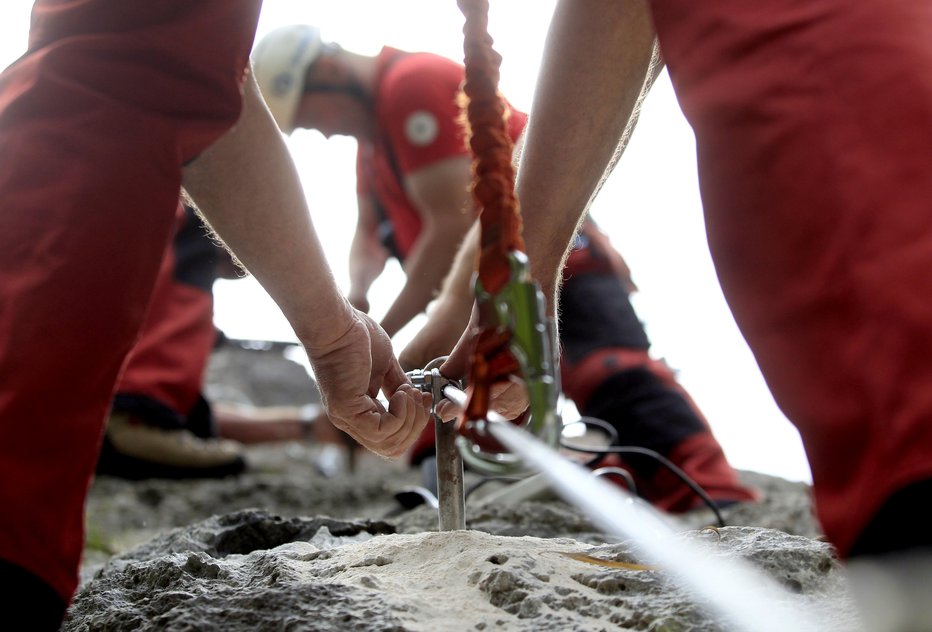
<point>421,128</point>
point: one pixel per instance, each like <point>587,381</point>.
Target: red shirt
<point>418,124</point>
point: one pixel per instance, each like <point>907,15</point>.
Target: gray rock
<point>258,373</point>
<point>194,555</point>
<point>255,571</point>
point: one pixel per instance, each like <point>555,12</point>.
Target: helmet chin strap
<point>351,88</point>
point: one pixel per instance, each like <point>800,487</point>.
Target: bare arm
<point>599,62</point>
<point>593,77</point>
<point>449,315</point>
<point>440,194</point>
<point>265,221</point>
<point>367,254</point>
<point>247,188</point>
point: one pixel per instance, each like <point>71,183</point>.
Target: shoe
<point>133,450</point>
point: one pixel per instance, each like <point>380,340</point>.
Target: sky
<point>649,207</point>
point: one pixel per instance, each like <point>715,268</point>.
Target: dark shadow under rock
<point>250,530</point>
<point>282,479</point>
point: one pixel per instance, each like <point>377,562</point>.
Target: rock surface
<point>250,570</point>
<point>282,547</point>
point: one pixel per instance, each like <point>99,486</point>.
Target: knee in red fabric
<point>635,393</point>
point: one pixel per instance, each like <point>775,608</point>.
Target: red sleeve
<point>418,110</point>
<point>515,122</point>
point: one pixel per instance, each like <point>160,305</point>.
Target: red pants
<point>163,374</point>
<point>95,123</point>
<point>813,120</point>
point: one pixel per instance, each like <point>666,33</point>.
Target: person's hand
<point>351,370</point>
<point>509,399</point>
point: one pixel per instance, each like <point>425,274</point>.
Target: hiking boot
<point>133,450</point>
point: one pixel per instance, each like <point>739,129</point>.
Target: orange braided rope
<point>493,174</point>
<point>494,195</point>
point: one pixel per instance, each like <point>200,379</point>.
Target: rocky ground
<point>283,547</point>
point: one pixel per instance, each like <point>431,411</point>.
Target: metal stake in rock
<point>450,489</point>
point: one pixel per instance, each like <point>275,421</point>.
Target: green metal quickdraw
<point>519,309</point>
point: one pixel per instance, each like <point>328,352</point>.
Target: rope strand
<point>495,199</point>
<point>493,174</point>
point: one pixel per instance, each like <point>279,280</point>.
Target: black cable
<point>604,425</point>
<point>679,473</point>
<point>609,429</point>
<point>621,472</point>
<point>601,453</point>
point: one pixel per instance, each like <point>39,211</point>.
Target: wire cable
<point>614,449</point>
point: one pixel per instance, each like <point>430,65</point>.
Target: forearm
<point>457,293</point>
<point>367,261</point>
<point>450,314</point>
<point>592,78</point>
<point>247,187</point>
<point>425,267</point>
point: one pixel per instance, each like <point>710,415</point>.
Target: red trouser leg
<point>813,120</point>
<point>95,123</point>
<point>641,398</point>
<point>166,365</point>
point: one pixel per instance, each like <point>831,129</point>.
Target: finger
<point>509,399</point>
<point>394,377</point>
<point>373,431</point>
<point>415,421</point>
<point>361,427</point>
<point>455,366</point>
<point>411,357</point>
<point>448,411</point>
<point>391,433</point>
<point>398,423</point>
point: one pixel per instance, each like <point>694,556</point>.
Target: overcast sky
<point>650,207</point>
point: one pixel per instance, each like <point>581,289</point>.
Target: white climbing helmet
<point>280,61</point>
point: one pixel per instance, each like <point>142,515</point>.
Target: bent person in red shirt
<point>413,174</point>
